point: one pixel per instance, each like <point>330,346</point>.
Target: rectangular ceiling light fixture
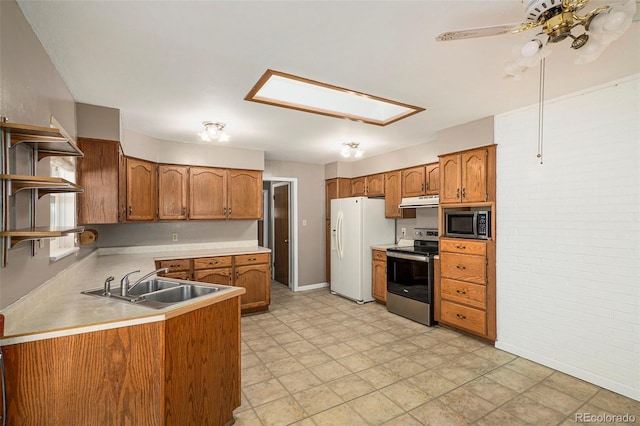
<point>290,91</point>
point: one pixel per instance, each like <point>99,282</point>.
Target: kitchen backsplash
<point>425,218</point>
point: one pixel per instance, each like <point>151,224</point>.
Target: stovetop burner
<point>425,243</point>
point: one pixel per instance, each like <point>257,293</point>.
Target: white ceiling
<point>169,66</point>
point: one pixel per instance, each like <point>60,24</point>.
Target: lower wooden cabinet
<point>181,371</point>
<point>379,276</point>
<point>250,271</point>
<point>467,286</point>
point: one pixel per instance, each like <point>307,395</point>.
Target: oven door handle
<point>408,256</point>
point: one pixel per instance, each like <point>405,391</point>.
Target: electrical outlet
<point>174,237</point>
<point>403,231</point>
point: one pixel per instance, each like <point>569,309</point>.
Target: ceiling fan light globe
<point>224,137</point>
<point>359,153</point>
<point>530,48</point>
<point>615,21</point>
<point>204,136</point>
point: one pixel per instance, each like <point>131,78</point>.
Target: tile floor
<point>319,359</point>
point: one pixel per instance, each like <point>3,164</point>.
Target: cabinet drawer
<point>463,267</point>
<point>462,292</point>
<point>212,262</point>
<point>464,317</point>
<point>221,276</point>
<point>175,264</point>
<point>464,247</point>
<point>379,255</point>
<point>180,275</point>
<point>251,259</point>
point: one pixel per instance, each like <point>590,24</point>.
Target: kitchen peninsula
<point>130,364</point>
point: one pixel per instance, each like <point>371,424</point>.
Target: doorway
<point>281,233</point>
<point>281,229</point>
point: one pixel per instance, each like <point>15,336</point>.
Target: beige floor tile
<point>471,406</point>
<point>304,422</point>
<point>317,399</point>
<point>406,395</point>
<point>340,415</point>
<point>404,367</point>
<point>468,344</point>
<point>403,420</point>
<point>428,359</point>
<point>310,332</point>
<point>314,358</point>
<point>432,383</point>
<point>511,379</point>
<point>249,360</point>
<point>447,350</point>
<point>272,354</point>
<point>264,392</point>
<point>338,351</point>
<point>288,337</point>
<point>375,408</point>
<point>350,387</point>
<point>299,381</point>
<point>457,373</point>
<point>437,414</point>
<point>324,340</point>
<point>280,412</point>
<point>425,341</point>
<point>533,412</point>
<point>357,362</point>
<point>498,356</point>
<point>577,388</point>
<point>491,391</point>
<point>406,348</point>
<point>500,417</point>
<point>379,376</point>
<point>615,403</point>
<point>363,344</point>
<point>299,347</point>
<point>244,404</point>
<point>277,329</point>
<point>284,366</point>
<point>330,371</point>
<point>246,418</point>
<point>261,343</point>
<point>257,374</point>
<point>552,398</point>
<point>530,369</point>
<point>382,354</point>
<point>383,337</point>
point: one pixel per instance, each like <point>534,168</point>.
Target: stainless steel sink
<point>158,293</point>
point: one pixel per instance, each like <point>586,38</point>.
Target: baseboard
<point>312,286</point>
<point>585,375</point>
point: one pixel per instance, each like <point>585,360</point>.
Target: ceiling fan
<point>557,19</point>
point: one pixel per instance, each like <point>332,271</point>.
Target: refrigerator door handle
<point>339,235</point>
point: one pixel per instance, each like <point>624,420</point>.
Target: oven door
<point>410,276</point>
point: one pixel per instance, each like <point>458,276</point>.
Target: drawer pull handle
<point>253,258</point>
<point>212,263</point>
<point>461,292</point>
<point>174,265</point>
<point>462,317</point>
<point>461,247</point>
<point>461,267</point>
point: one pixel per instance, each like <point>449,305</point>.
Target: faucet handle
<point>125,280</point>
<point>107,286</point>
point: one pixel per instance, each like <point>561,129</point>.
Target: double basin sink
<point>158,293</point>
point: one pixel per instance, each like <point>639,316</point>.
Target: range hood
<point>419,202</point>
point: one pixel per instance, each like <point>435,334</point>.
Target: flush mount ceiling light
<point>214,131</point>
<point>290,91</point>
<point>351,148</point>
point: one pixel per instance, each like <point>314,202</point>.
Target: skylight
<point>290,91</point>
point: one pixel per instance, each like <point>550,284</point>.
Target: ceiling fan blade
<point>478,32</point>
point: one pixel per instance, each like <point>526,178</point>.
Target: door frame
<point>293,224</point>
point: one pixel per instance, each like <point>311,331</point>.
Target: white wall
<point>568,235</point>
<point>98,122</point>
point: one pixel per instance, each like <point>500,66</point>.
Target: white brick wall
<point>568,235</point>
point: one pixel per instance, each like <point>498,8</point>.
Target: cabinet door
<point>330,193</point>
<point>220,276</point>
<point>207,193</point>
<point>255,279</point>
<point>245,194</point>
<point>375,185</point>
<point>393,196</point>
<point>450,182</point>
<point>433,178</point>
<point>359,187</point>
<point>474,176</point>
<point>379,276</point>
<point>98,174</point>
<point>413,182</point>
<point>172,192</point>
<point>141,190</point>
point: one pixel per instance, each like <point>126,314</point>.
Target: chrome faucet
<point>107,286</point>
<point>124,283</point>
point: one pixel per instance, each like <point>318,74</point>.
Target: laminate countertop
<point>58,308</point>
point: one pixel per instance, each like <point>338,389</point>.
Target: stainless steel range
<point>410,277</point>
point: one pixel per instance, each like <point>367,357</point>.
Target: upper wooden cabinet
<point>359,186</point>
<point>468,176</point>
<point>207,193</point>
<point>432,178</point>
<point>98,172</point>
<point>244,194</point>
<point>393,196</point>
<point>172,192</point>
<point>375,185</point>
<point>413,182</point>
<point>336,188</point>
<point>141,190</point>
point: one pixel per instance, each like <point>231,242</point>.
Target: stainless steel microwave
<point>475,225</point>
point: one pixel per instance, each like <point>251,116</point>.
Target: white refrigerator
<point>357,223</point>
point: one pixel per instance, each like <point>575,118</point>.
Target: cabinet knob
<point>461,267</point>
<point>458,193</point>
<point>184,211</point>
<point>212,263</point>
<point>254,258</point>
<point>174,266</point>
<point>460,316</point>
<point>464,192</point>
<point>461,247</point>
<point>130,210</point>
<point>461,292</point>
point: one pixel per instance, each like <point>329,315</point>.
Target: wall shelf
<point>30,234</point>
<point>44,184</point>
<point>46,140</point>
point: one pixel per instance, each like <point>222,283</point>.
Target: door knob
<point>286,241</point>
